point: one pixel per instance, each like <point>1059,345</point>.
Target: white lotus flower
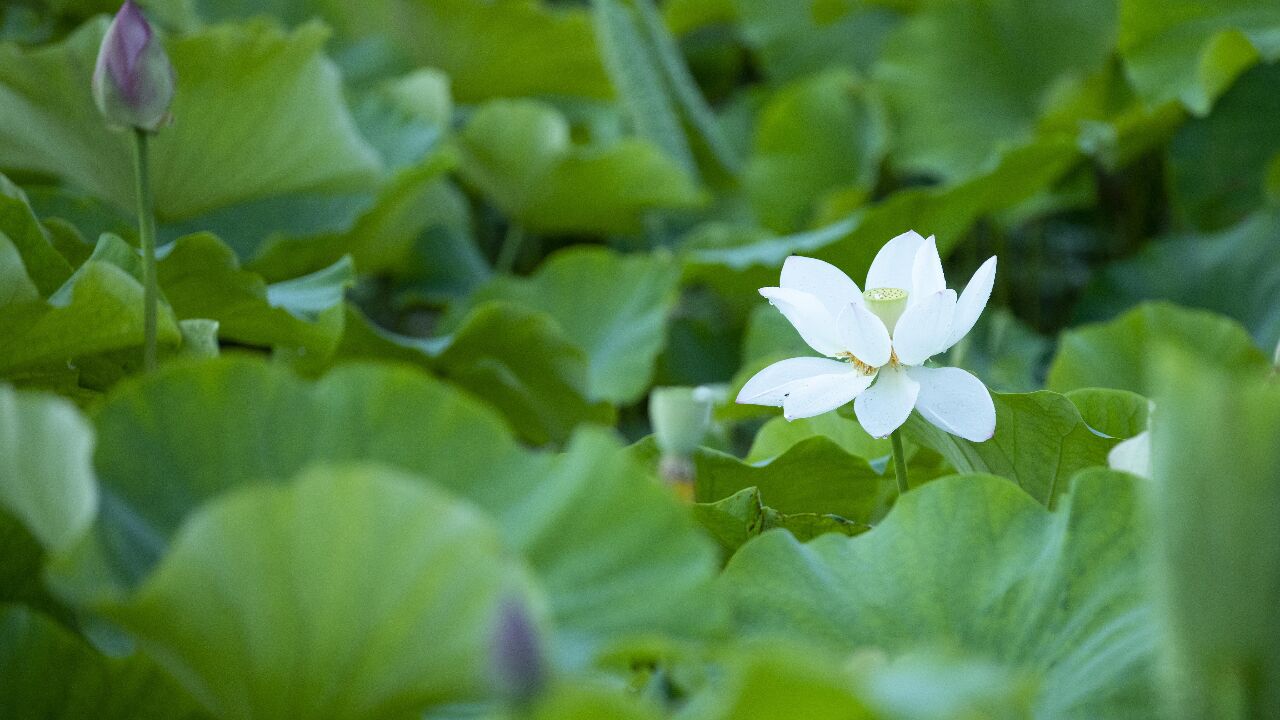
<point>876,343</point>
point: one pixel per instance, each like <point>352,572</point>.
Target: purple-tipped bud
<point>518,663</point>
<point>133,82</point>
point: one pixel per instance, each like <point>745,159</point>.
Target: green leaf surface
<point>365,591</point>
<point>965,80</point>
<point>1219,163</point>
<point>1114,354</point>
<point>517,360</point>
<point>614,550</point>
<point>743,515</point>
<point>613,306</point>
<point>507,48</point>
<point>793,38</point>
<point>259,113</point>
<point>814,476</point>
<point>1118,413</point>
<point>971,564</point>
<point>1215,462</point>
<point>779,435</point>
<point>818,136</point>
<point>20,227</point>
<point>1235,272</point>
<point>519,154</point>
<point>202,278</point>
<point>46,478</point>
<point>98,311</point>
<point>1192,51</point>
<point>47,672</point>
<point>851,243</point>
<point>1041,441</point>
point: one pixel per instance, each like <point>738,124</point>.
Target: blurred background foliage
<point>1110,152</point>
<point>530,213</point>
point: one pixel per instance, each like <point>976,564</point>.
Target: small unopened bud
<point>681,417</point>
<point>133,82</point>
<point>518,663</point>
<point>1276,360</point>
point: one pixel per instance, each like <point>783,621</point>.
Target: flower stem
<point>147,234</point>
<point>510,248</point>
<point>899,461</point>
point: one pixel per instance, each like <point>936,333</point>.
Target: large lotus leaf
<point>743,515</point>
<point>1118,413</point>
<point>46,672</point>
<point>364,591</point>
<point>201,278</point>
<point>614,307</point>
<point>1235,272</point>
<point>19,225</point>
<point>1219,163</point>
<point>1217,465</point>
<point>520,155</point>
<point>964,80</point>
<point>507,48</point>
<point>781,679</point>
<point>614,550</point>
<point>97,311</point>
<point>654,85</point>
<point>518,360</point>
<point>794,38</point>
<point>779,435</point>
<point>1114,354</point>
<point>46,478</point>
<point>258,113</point>
<point>48,493</point>
<point>1191,51</point>
<point>851,244</point>
<point>972,564</point>
<point>16,286</point>
<point>406,120</point>
<point>822,135</point>
<point>813,476</point>
<point>1041,441</point>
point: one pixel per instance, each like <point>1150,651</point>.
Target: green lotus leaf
<point>21,229</point>
<point>965,81</point>
<point>518,360</point>
<point>201,278</point>
<point>795,38</point>
<point>97,311</point>
<point>1117,413</point>
<point>1219,163</point>
<point>1114,354</point>
<point>613,306</point>
<point>813,476</point>
<point>47,672</point>
<point>615,551</point>
<point>1191,51</point>
<point>519,154</point>
<point>1040,442</point>
<point>970,564</point>
<point>365,591</point>
<point>1215,463</point>
<point>259,113</point>
<point>1235,272</point>
<point>822,135</point>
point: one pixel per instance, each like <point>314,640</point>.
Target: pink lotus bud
<point>518,662</point>
<point>133,82</point>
